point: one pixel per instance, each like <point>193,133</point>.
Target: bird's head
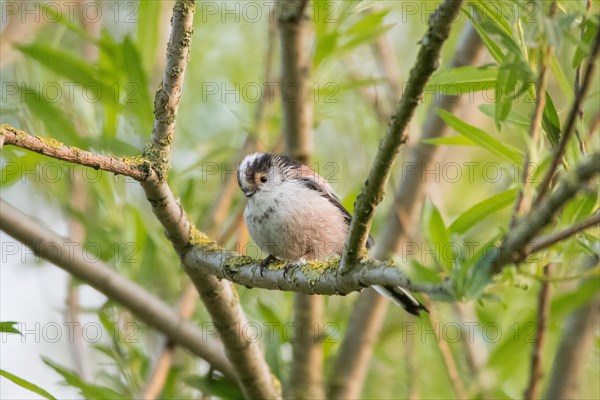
<point>261,172</point>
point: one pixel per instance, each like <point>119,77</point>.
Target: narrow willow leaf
<point>65,65</point>
<point>457,81</point>
<point>584,45</point>
<point>551,122</point>
<point>437,234</point>
<point>148,29</point>
<point>89,391</point>
<point>479,275</point>
<point>220,388</point>
<point>455,140</point>
<point>27,385</point>
<point>493,13</point>
<point>489,44</point>
<point>512,73</point>
<point>9,327</point>
<point>514,117</point>
<point>481,210</point>
<point>58,124</point>
<point>480,137</point>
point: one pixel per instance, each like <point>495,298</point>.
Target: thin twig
<point>547,241</point>
<point>143,305</point>
<point>535,369</point>
<point>514,245</point>
<point>372,192</point>
<point>446,352</point>
<point>571,119</point>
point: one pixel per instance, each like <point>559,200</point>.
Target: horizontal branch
<point>135,167</point>
<point>310,278</point>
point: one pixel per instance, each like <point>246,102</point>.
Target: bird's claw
<point>292,265</point>
<point>265,263</point>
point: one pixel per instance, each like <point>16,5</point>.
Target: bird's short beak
<point>248,192</point>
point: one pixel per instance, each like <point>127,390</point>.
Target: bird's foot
<point>265,263</point>
<point>293,265</point>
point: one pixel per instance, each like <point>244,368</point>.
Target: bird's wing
<point>314,181</point>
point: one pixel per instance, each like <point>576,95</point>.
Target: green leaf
<point>436,234</point>
<point>488,42</point>
<point>57,123</point>
<point>481,210</point>
<point>455,140</point>
<point>148,30</point>
<point>9,327</point>
<point>512,73</point>
<point>457,81</point>
<point>551,122</point>
<point>493,13</point>
<point>514,117</point>
<point>585,44</point>
<point>479,275</point>
<point>27,385</point>
<point>480,137</point>
<point>65,65</point>
<point>89,391</point>
<point>136,86</point>
<point>220,388</point>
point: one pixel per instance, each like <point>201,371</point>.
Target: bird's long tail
<point>402,298</point>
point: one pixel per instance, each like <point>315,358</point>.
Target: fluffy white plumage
<point>293,213</point>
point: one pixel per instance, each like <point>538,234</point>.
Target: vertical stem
<point>295,67</point>
<point>535,368</point>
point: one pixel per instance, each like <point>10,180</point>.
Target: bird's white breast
<point>291,221</point>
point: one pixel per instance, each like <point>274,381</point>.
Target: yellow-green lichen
<point>159,159</point>
<point>199,239</point>
<point>51,142</point>
<point>314,270</point>
<point>238,261</point>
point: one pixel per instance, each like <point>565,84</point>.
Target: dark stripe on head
<point>262,163</point>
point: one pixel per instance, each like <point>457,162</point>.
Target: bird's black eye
<point>263,179</point>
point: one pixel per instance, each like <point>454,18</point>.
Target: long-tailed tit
<point>292,213</point>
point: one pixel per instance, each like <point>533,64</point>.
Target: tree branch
<point>219,297</point>
<point>142,304</point>
<point>372,193</point>
<point>513,247</point>
<point>349,371</point>
<point>134,167</point>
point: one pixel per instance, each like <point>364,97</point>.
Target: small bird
<point>292,213</point>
